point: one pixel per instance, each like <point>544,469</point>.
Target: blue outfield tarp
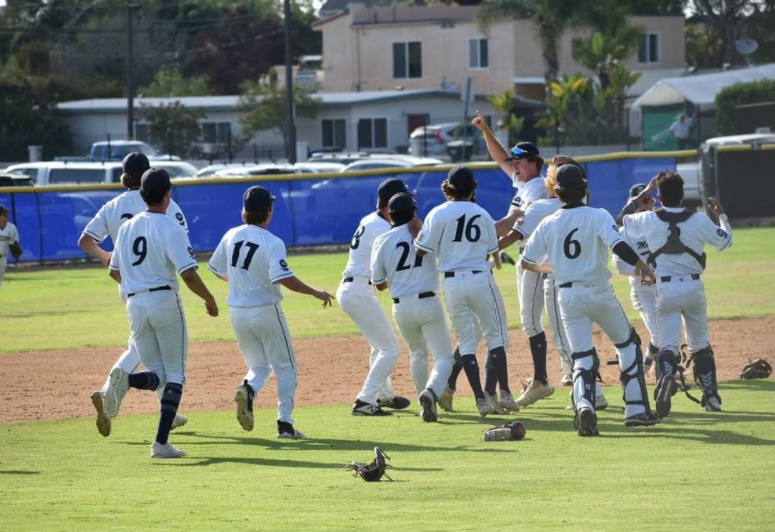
<point>308,212</point>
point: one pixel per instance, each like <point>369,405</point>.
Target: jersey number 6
<point>572,247</point>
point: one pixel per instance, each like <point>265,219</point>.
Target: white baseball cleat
<point>118,386</point>
<point>534,392</point>
<point>445,401</point>
<point>179,421</point>
<point>165,451</point>
<point>507,402</point>
<point>103,422</point>
<point>243,398</point>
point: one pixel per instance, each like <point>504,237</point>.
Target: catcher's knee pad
<point>587,376</point>
<point>667,360</point>
<point>653,350</point>
<point>705,372</point>
<point>633,382</point>
<point>632,339</point>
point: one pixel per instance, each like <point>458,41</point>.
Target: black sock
<point>471,366</point>
<point>170,401</point>
<point>145,380</point>
<point>538,351</point>
<point>456,369</point>
<point>490,374</point>
<point>497,357</point>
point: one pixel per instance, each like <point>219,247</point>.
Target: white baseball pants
<point>560,339</point>
<point>265,343</point>
<point>683,298</point>
<point>3,264</point>
<point>423,322</point>
<point>475,296</point>
<point>358,299</point>
<point>644,300</point>
<point>530,290</point>
<point>581,305</point>
<point>158,324</point>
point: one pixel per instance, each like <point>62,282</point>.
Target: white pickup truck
<point>691,171</point>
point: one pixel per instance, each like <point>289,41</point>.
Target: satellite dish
<point>746,46</point>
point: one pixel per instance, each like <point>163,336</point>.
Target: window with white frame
<point>407,60</point>
<point>372,133</point>
<point>478,53</point>
<point>334,133</point>
<point>649,51</point>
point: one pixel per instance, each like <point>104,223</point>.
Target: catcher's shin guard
<point>631,373</point>
<point>705,378</point>
<point>666,386</point>
<point>585,370</point>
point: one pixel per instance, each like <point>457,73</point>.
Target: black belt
<point>544,276</point>
<point>668,278</point>
<point>447,275</point>
<point>157,289</point>
<point>423,295</point>
<point>565,285</point>
<point>351,279</point>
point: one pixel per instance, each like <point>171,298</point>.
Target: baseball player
<point>150,249</point>
<point>523,164</point>
<point>676,238</point>
<point>417,307</point>
<point>575,241</point>
<point>357,297</point>
<point>644,297</point>
<point>462,235</point>
<point>107,222</point>
<point>536,212</point>
<point>8,235</point>
<point>254,263</point>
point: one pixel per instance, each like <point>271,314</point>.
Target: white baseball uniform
<point>680,290</point>
<point>644,297</point>
<point>8,235</point>
<point>254,260</point>
<point>357,297</point>
<point>417,307</point>
<point>462,235</point>
<point>575,241</point>
<point>107,222</point>
<point>151,249</point>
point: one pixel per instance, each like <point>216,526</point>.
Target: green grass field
<point>70,308</point>
<point>696,470</point>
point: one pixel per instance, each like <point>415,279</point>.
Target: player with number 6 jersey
<point>462,235</point>
<point>417,307</point>
<point>575,241</point>
<point>254,263</point>
<point>106,223</point>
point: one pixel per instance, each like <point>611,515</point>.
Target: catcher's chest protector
<point>674,246</point>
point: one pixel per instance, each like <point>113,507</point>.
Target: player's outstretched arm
<point>509,239</point>
<point>115,275</point>
<point>497,152</point>
<point>196,285</point>
<point>89,245</point>
<point>505,224</point>
<point>538,268</point>
<point>297,285</point>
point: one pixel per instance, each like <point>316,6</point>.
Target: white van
<point>76,173</point>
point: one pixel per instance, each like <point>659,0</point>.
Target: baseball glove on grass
<point>16,250</point>
<point>758,369</point>
<point>506,432</point>
<point>374,471</point>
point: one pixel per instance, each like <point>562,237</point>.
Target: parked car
<point>70,173</point>
<point>373,163</point>
<point>433,139</point>
<point>14,180</point>
<point>319,167</point>
<point>339,157</point>
<point>116,150</point>
<point>259,169</point>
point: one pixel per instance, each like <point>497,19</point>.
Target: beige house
<point>382,48</point>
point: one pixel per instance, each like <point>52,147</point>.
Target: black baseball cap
<point>155,179</point>
<point>637,189</point>
<point>401,202</point>
<point>257,199</point>
<point>461,177</point>
<point>569,175</point>
<point>135,163</point>
<point>523,149</point>
<point>389,188</point>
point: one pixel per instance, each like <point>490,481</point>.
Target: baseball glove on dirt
<point>758,369</point>
<point>506,432</point>
<point>16,250</point>
<point>374,471</point>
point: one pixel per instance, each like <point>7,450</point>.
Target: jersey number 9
<point>140,248</point>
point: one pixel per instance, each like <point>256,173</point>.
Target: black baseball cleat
<point>244,397</point>
<point>645,419</point>
<point>587,423</point>
<point>428,411</point>
<point>505,259</point>
<point>396,403</point>
<point>663,394</point>
<point>361,408</point>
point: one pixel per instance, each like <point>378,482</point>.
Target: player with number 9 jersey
<point>462,235</point>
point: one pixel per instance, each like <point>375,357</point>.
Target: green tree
<point>507,118</point>
<point>174,128</point>
<point>169,82</point>
<point>264,106</point>
<point>600,52</point>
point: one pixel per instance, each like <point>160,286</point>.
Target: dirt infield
<point>57,384</point>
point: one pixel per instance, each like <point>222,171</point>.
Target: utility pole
<point>130,103</point>
<point>290,147</point>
